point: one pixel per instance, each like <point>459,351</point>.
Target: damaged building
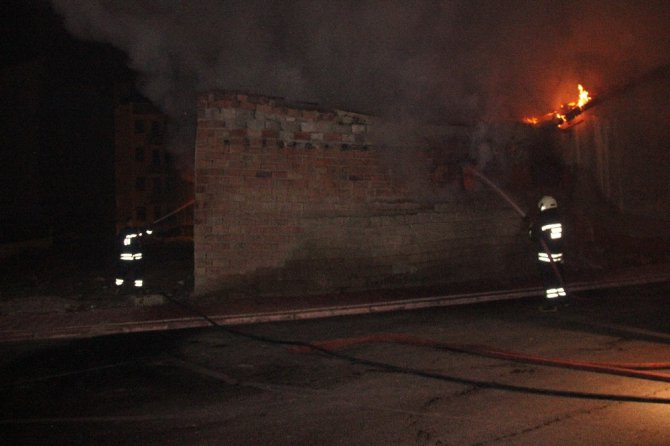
<point>292,198</point>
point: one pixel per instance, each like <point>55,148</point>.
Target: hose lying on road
<point>633,370</point>
<point>307,346</point>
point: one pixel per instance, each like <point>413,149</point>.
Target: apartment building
<point>148,185</point>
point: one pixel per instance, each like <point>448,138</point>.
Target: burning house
<point>613,149</point>
<point>291,197</point>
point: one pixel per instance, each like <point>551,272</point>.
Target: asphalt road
<point>211,386</point>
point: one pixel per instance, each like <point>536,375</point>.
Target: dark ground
<point>80,275</point>
<point>210,386</point>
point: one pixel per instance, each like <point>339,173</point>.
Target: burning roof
<point>564,116</point>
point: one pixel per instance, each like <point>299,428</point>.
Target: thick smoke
<point>441,61</point>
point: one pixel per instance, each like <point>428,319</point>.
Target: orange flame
<point>584,97</point>
<point>560,117</point>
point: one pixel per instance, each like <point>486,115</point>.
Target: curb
<point>46,330</point>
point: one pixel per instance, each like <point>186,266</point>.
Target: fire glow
<point>566,113</point>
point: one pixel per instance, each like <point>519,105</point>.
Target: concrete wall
<point>294,199</point>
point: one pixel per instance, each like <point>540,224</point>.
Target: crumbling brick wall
<point>295,199</point>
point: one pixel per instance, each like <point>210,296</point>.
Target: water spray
<point>179,209</point>
<point>500,192</point>
<point>523,215</point>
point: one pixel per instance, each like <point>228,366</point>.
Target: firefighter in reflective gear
<point>130,261</point>
<point>547,232</point>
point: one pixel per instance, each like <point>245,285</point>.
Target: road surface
<point>211,386</point>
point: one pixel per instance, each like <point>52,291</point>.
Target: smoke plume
<point>441,61</point>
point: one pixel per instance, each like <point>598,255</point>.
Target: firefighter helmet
<point>547,202</point>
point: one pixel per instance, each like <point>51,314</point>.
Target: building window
<point>156,158</point>
<point>139,126</point>
<point>156,133</point>
<point>170,184</point>
<point>139,154</point>
<point>141,213</point>
<point>158,185</point>
<point>140,184</point>
<point>157,213</point>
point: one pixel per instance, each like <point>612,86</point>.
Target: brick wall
<point>294,199</point>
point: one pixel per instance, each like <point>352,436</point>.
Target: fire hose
<point>179,209</point>
<point>524,216</point>
<point>631,370</point>
<point>329,348</point>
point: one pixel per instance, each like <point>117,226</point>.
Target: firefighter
<point>130,260</point>
<point>547,232</point>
